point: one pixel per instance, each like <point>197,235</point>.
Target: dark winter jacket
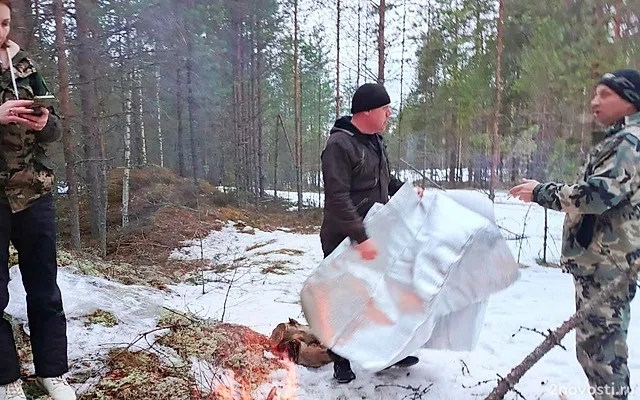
<point>356,174</point>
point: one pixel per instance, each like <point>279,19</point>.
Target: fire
<point>291,382</point>
<point>224,392</point>
<point>289,391</point>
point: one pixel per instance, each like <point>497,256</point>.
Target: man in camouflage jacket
<point>601,233</point>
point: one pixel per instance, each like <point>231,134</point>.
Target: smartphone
<point>42,101</point>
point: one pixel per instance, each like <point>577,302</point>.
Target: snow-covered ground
<point>315,199</point>
<point>541,299</point>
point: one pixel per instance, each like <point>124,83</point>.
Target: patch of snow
<point>250,292</point>
<point>136,308</point>
<point>262,290</point>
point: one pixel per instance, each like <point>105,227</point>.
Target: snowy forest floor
<point>185,303</point>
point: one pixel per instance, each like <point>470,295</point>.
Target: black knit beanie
<point>626,83</point>
<point>368,97</point>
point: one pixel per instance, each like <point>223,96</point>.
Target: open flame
<point>288,392</point>
<point>224,392</point>
<point>291,382</point>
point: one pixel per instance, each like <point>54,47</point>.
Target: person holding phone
<point>27,219</point>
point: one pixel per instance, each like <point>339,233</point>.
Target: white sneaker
<point>58,388</point>
<point>12,391</point>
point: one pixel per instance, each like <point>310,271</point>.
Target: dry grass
<point>277,268</point>
<point>137,375</point>
<point>152,240</point>
<point>23,343</point>
<point>229,346</point>
<point>101,317</point>
<point>288,252</point>
<point>122,272</point>
<point>259,245</point>
<point>165,211</point>
<point>142,375</point>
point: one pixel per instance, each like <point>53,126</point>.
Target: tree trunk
<point>381,14</point>
<point>136,117</point>
<point>102,174</point>
<point>459,177</point>
<point>245,119</point>
<point>22,24</point>
<point>37,31</point>
<point>400,133</point>
<point>261,174</point>
<point>297,105</point>
<point>337,57</point>
<point>143,137</point>
<point>275,161</point>
<point>236,102</point>
<point>319,127</point>
<point>192,105</point>
<point>358,44</point>
<point>127,157</point>
<point>253,118</point>
<point>617,20</point>
<point>67,140</point>
<point>86,69</point>
<point>452,163</point>
<point>595,67</point>
<point>495,138</point>
<point>182,170</point>
<point>159,118</point>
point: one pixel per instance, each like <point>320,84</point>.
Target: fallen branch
<point>538,332</point>
<point>140,337</point>
<point>516,236</point>
<point>416,392</point>
<point>465,367</point>
<point>555,337</point>
<point>180,314</point>
<point>478,384</point>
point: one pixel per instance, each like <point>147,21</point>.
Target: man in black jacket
<point>356,175</point>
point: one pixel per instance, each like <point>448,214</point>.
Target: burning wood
<point>296,341</point>
<point>273,394</point>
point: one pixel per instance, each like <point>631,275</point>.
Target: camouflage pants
<point>601,338</point>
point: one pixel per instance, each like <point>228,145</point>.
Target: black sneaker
<point>342,372</point>
<point>405,362</point>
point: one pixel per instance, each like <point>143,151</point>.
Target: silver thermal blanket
<point>440,258</point>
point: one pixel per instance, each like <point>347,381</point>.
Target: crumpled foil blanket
<point>440,258</point>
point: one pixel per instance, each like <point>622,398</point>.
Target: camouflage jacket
<point>25,172</point>
<point>602,221</point>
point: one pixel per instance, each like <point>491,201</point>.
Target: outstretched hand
<point>524,191</point>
